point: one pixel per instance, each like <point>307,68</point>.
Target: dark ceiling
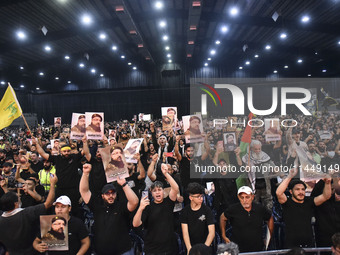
<point>191,26</point>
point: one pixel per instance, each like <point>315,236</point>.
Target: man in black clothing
<point>298,210</point>
<point>157,217</point>
<point>36,164</point>
<point>66,165</point>
<point>78,237</point>
<point>17,224</point>
<point>246,219</point>
<point>111,216</point>
<point>197,219</point>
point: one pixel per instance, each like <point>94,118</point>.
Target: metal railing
<point>307,250</point>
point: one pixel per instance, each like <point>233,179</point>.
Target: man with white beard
<point>257,160</point>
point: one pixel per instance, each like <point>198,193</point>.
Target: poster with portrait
<point>131,148</point>
<point>114,163</point>
<point>193,128</point>
<point>55,145</point>
<point>54,232</point>
<point>112,133</point>
<point>325,134</point>
<point>230,141</point>
<point>94,125</point>
<point>272,130</point>
<point>57,121</point>
<point>140,116</point>
<point>169,117</point>
<point>78,128</point>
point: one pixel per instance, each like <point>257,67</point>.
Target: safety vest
<point>44,177</point>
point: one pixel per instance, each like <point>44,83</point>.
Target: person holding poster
<point>79,240</point>
<point>111,216</point>
<point>95,129</point>
<point>131,149</point>
<point>56,233</point>
<point>78,126</point>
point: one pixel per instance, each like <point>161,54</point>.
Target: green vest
<point>44,177</point>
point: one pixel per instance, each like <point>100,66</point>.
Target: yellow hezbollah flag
<point>9,108</point>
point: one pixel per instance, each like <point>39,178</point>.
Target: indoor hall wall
<point>116,104</point>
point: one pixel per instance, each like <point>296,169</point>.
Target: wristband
<point>124,184</point>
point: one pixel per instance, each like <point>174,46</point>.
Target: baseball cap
<point>108,187</point>
<point>63,200</point>
<point>245,189</point>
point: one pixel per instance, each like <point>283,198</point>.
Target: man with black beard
<point>57,229</point>
<point>66,165</point>
<point>94,127</point>
<point>298,210</point>
<point>36,164</point>
<point>111,216</point>
<point>44,175</point>
<point>80,127</point>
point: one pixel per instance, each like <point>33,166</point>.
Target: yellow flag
<point>9,108</point>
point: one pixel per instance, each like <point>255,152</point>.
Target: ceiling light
<point>205,64</point>
<point>102,36</point>
<point>81,65</point>
<point>241,67</point>
<point>247,62</point>
<point>324,70</point>
<point>268,47</point>
<point>275,71</point>
<point>37,88</point>
<point>41,74</point>
<point>47,48</point>
<point>67,57</point>
<point>339,42</point>
<point>299,61</point>
<point>93,70</point>
<point>57,78</point>
<point>305,19</point>
<point>162,23</point>
<point>309,75</point>
<point>256,56</point>
<point>3,83</point>
<point>21,35</point>
<point>129,64</point>
<point>122,56</point>
<point>170,61</point>
<point>169,55</point>
<point>224,29</point>
<point>21,68</point>
<point>101,75</point>
<point>218,42</point>
<point>114,47</point>
<point>209,59</point>
<point>212,52</point>
<point>165,38</point>
<point>283,36</point>
<point>22,86</point>
<point>159,5</point>
<point>68,82</point>
<point>86,19</point>
<point>167,48</point>
<point>233,11</point>
<point>134,68</point>
<point>285,67</point>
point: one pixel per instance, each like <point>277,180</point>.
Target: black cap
<point>108,187</point>
<point>7,164</point>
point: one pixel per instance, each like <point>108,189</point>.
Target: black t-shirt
<point>37,167</point>
<point>158,220</point>
<point>76,232</point>
<point>25,174</point>
<point>327,217</point>
<point>111,227</point>
<point>18,231</point>
<point>198,222</point>
<point>67,170</point>
<point>247,226</point>
<point>184,168</point>
<point>297,218</point>
<point>136,185</point>
<point>97,177</point>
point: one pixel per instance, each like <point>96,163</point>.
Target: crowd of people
<point>162,207</point>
